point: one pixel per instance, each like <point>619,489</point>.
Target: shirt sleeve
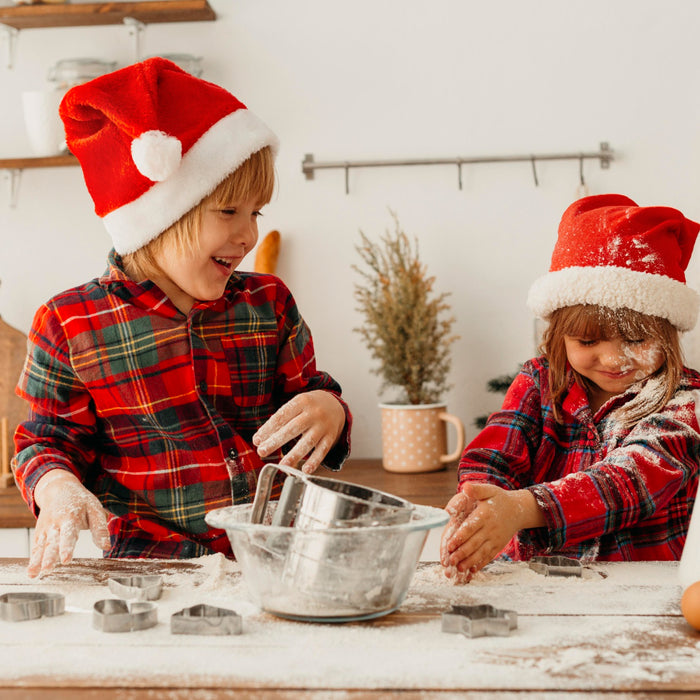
<point>61,420</point>
<point>503,452</point>
<point>632,482</point>
<point>297,373</point>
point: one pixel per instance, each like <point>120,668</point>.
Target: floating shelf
<point>12,169</point>
<point>98,13</point>
<point>38,162</point>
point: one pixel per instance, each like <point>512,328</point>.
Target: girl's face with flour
<point>613,364</point>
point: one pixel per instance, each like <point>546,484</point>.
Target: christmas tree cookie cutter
<point>479,621</point>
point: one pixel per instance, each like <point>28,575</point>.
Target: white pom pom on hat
<point>156,155</point>
<point>153,141</point>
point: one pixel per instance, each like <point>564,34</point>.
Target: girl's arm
<point>630,484</point>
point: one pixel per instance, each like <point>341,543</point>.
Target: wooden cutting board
<point>13,350</point>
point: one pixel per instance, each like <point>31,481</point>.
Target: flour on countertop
<point>554,646</point>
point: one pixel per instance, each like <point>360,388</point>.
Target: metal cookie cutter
<point>137,587</point>
<point>556,566</point>
<point>17,607</point>
<point>205,619</point>
<point>113,615</point>
<point>479,621</point>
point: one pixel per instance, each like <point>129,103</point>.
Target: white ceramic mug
<point>44,126</point>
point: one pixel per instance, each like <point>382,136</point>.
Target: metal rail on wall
<point>605,155</point>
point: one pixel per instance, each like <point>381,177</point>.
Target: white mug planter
<point>414,437</point>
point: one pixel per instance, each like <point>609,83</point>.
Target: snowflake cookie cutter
<point>206,619</point>
<point>479,621</point>
<point>556,566</point>
<point>136,587</point>
<point>115,615</point>
<point>18,607</point>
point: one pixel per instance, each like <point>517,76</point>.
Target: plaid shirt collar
<point>147,295</point>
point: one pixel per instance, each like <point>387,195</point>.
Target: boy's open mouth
<point>226,263</point>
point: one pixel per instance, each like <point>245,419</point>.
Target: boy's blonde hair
<point>603,323</point>
<point>253,179</point>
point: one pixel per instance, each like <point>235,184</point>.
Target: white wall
<point>374,79</point>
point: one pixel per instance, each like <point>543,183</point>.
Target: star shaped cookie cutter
<point>115,615</point>
<point>556,566</point>
<point>479,621</point>
<point>18,607</point>
<point>205,619</point>
<point>136,587</point>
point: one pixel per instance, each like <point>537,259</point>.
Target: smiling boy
<point>158,391</point>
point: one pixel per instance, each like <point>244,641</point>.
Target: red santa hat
<point>613,253</point>
<point>153,141</point>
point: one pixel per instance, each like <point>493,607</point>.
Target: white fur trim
<point>616,287</point>
<point>219,151</point>
<point>156,155</point>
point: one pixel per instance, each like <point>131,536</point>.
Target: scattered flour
<point>616,627</point>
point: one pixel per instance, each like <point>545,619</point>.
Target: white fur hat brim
<point>218,152</point>
<point>616,287</point>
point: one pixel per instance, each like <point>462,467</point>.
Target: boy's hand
<point>66,507</point>
<point>483,520</point>
<point>316,417</point>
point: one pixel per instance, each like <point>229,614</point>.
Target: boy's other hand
<point>316,417</point>
<point>66,507</point>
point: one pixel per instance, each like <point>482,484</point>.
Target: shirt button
<point>203,386</point>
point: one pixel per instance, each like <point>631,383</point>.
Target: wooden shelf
<point>38,162</point>
<point>99,13</point>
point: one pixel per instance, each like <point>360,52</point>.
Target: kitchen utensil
<point>556,566</point>
<point>18,607</point>
<point>316,502</point>
<point>115,615</point>
<point>326,574</point>
<point>479,621</point>
<point>206,620</point>
<point>136,587</point>
<point>43,125</point>
<point>69,72</point>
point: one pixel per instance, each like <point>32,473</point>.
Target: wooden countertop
<point>616,632</point>
<point>429,489</point>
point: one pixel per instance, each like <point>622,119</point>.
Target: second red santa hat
<point>153,141</point>
<point>613,253</point>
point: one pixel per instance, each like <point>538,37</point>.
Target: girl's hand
<point>66,507</point>
<point>484,519</point>
<point>317,418</point>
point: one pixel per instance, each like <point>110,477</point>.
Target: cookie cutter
<point>556,566</point>
<point>115,615</point>
<point>206,619</point>
<point>17,607</point>
<point>479,621</point>
<point>136,587</point>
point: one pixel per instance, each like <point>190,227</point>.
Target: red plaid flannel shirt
<point>606,492</point>
<point>145,404</point>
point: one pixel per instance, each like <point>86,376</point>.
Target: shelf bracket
<point>13,176</point>
<point>136,29</point>
<point>11,35</point>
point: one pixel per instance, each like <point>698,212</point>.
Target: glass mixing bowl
<point>333,574</point>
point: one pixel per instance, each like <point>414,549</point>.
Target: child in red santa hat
<point>158,390</point>
<point>595,452</point>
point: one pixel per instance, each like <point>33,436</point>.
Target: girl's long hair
<point>253,179</point>
<point>603,323</point>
